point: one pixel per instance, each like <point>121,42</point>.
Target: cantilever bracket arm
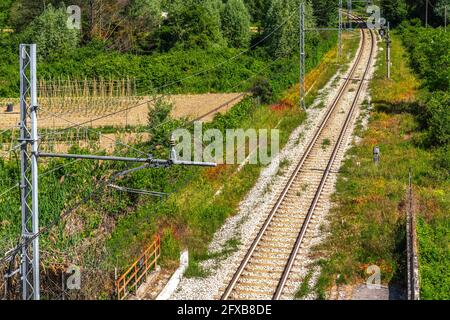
<point>150,160</point>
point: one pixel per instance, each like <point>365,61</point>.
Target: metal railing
<point>131,279</point>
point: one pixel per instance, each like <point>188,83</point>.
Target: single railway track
<point>268,265</point>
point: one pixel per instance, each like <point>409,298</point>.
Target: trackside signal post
<point>385,33</point>
<point>302,56</point>
<point>29,154</point>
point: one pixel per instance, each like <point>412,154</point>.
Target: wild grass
<point>367,226</point>
<point>305,288</point>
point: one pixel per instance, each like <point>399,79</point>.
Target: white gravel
<point>316,232</point>
<point>254,208</point>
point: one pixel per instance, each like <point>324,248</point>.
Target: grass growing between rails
<point>367,225</point>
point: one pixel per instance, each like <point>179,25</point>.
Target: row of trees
<point>430,59</point>
<point>396,11</point>
<point>139,25</point>
<point>144,26</point>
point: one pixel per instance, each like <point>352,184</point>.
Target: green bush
<point>436,119</point>
<point>57,39</point>
<point>262,89</point>
<point>434,259</point>
<point>430,56</point>
<point>236,23</point>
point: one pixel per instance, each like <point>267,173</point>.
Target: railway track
<point>268,269</point>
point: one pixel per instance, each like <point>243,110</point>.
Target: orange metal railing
<point>131,279</point>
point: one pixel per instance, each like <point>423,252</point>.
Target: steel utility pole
<point>302,55</point>
<point>349,11</point>
<point>388,51</point>
<point>445,18</point>
<point>29,173</point>
<point>29,155</point>
<point>340,30</point>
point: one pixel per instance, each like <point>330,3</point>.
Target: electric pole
<point>445,18</point>
<point>426,14</point>
<point>29,154</point>
<point>302,55</point>
<point>388,51</point>
<point>340,28</point>
<point>349,11</point>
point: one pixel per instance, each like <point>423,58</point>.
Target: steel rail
<point>280,199</point>
<point>309,215</point>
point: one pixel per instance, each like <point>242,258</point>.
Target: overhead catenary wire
<point>14,251</point>
<point>101,184</point>
<point>157,126</point>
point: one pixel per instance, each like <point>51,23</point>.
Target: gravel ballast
<point>254,209</point>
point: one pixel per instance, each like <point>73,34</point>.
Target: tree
<point>325,12</point>
<point>258,9</point>
<point>417,9</point>
<point>191,23</point>
<point>439,8</point>
<point>5,6</point>
<point>49,31</point>
<point>394,11</point>
<point>143,17</point>
<point>282,26</point>
<point>236,23</point>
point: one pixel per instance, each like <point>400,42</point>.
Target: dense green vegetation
<point>108,228</point>
<point>410,123</point>
<point>434,257</point>
<point>430,58</point>
<point>396,11</point>
<point>209,42</point>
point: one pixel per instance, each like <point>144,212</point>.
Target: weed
<point>304,289</point>
<point>325,144</point>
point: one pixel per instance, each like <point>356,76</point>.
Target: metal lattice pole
<point>445,18</point>
<point>29,154</point>
<point>302,55</point>
<point>29,173</point>
<point>340,29</point>
<point>349,11</point>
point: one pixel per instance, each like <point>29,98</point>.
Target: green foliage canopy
<point>282,25</point>
<point>236,23</point>
<point>57,38</point>
<point>395,11</point>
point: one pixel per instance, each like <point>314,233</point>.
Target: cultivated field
<point>191,106</point>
